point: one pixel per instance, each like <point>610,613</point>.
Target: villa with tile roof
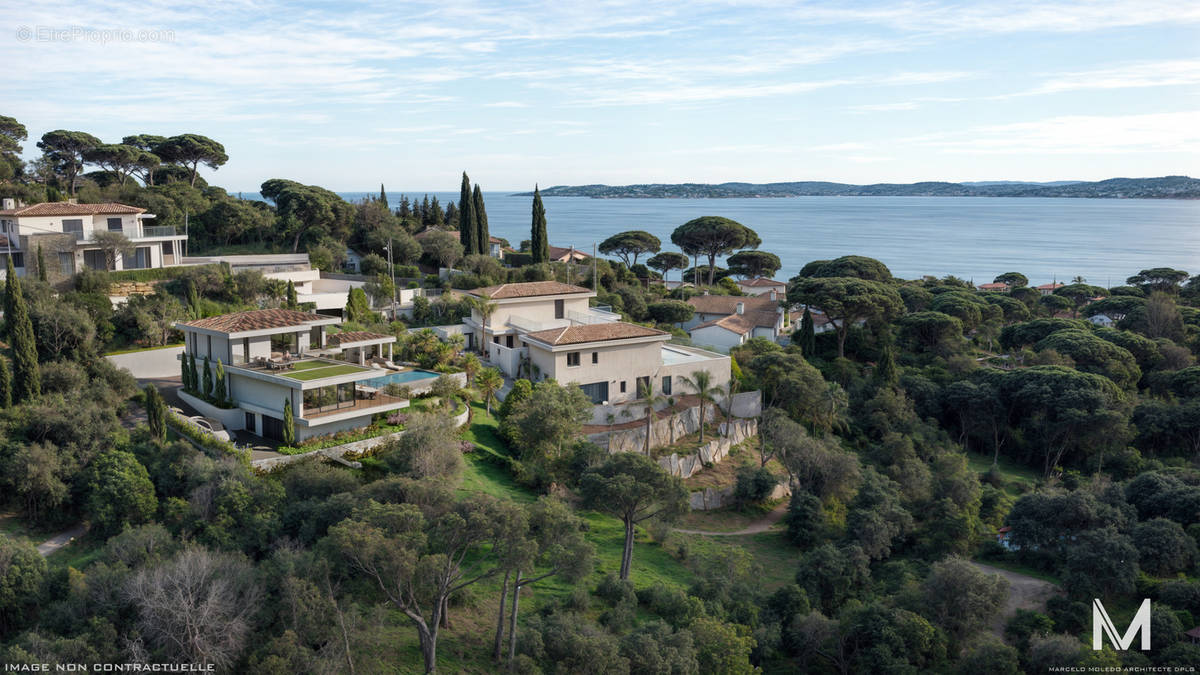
<point>66,233</point>
<point>547,330</point>
<point>334,381</point>
<point>726,321</point>
<point>762,286</point>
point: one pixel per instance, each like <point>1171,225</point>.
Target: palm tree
<point>706,391</point>
<point>486,309</point>
<point>489,381</point>
<point>649,399</point>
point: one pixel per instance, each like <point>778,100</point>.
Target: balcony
<point>599,314</point>
<point>131,233</point>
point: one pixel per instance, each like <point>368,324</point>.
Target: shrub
<point>754,485</point>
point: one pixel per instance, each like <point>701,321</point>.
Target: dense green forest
<point>928,418</point>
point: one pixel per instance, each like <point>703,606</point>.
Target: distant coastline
<point>1166,187</point>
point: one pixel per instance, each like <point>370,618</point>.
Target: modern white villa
<point>726,321</point>
<point>66,232</point>
<point>545,329</point>
<point>273,356</point>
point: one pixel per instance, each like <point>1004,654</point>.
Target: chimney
<point>10,204</point>
<point>741,308</point>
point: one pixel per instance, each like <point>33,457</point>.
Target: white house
<point>66,232</point>
<point>762,286</point>
<point>545,329</point>
<point>273,356</point>
<point>726,321</point>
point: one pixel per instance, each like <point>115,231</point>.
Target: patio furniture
<point>367,392</point>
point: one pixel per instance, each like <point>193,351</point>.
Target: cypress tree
<point>481,224</point>
<point>289,423</point>
<point>193,374</point>
<point>41,260</point>
<point>156,412</point>
<point>451,214</point>
<point>538,244</point>
<point>207,379</point>
<point>185,374</point>
<point>292,301</point>
<point>5,384</point>
<point>194,300</point>
<point>383,196</point>
<point>425,212</point>
<point>885,371</point>
<point>27,377</point>
<point>467,227</point>
<point>10,279</point>
<point>219,386</point>
<point>808,336</point>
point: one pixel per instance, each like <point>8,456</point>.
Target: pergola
<point>360,344</point>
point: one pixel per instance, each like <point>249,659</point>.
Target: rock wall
<point>712,452</point>
<point>663,432</point>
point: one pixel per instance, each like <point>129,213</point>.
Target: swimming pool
<point>406,377</point>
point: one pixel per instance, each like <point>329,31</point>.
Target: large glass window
<point>66,262</point>
<point>73,225</point>
<point>114,225</point>
<point>666,385</point>
<point>326,399</point>
<point>95,260</point>
<point>596,391</point>
<point>572,358</point>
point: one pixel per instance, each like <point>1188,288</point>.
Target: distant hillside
<point>1167,187</point>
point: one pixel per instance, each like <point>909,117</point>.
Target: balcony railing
<point>158,231</point>
<point>135,232</point>
<point>594,315</point>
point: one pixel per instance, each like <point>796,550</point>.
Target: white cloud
<point>1075,134</point>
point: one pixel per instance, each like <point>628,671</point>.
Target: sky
<point>564,93</point>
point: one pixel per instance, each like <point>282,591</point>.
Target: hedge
<point>156,273</point>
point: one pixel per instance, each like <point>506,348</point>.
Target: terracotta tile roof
<point>760,281</point>
<point>596,332</point>
<point>560,252</point>
<point>529,289</point>
<point>351,337</point>
<point>69,209</point>
<point>1049,287</point>
<point>735,323</point>
<point>994,286</point>
<point>759,309</point>
<point>258,319</point>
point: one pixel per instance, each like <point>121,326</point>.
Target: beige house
<point>546,330</point>
<point>66,232</point>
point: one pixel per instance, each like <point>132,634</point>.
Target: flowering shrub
<point>398,418</point>
<point>466,446</point>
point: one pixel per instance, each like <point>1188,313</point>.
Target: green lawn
<point>142,349</point>
<point>315,370</point>
<point>1015,474</point>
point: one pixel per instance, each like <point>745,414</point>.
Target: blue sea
<point>1102,240</point>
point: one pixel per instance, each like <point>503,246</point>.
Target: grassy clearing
<point>1012,565</point>
<point>1018,477</point>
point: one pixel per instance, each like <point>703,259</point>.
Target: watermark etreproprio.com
<point>95,35</point>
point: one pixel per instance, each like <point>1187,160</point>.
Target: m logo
<point>1101,622</point>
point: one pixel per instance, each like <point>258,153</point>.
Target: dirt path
<point>755,528</point>
<point>1024,592</point>
<point>60,540</point>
